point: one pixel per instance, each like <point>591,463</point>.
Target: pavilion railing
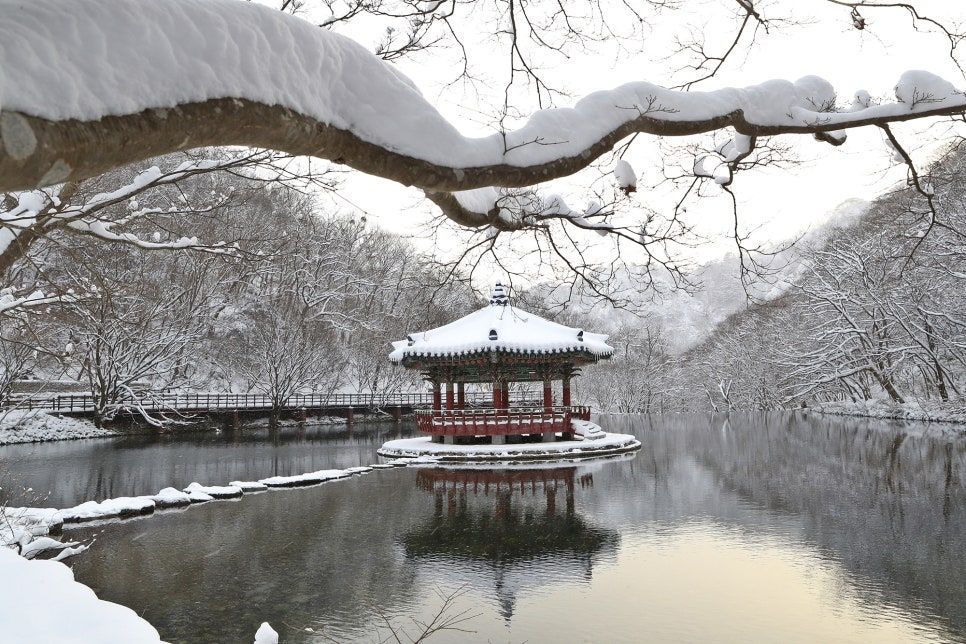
<point>490,422</point>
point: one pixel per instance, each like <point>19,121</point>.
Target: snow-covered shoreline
<point>41,602</point>
<point>38,426</point>
<point>911,411</point>
<point>41,521</point>
<point>46,604</point>
<point>48,595</point>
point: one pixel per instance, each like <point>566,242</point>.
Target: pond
<point>753,528</point>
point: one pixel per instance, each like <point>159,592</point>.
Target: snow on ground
<point>596,443</point>
<point>915,411</point>
<point>41,602</point>
<point>587,429</point>
<point>21,525</point>
<point>39,426</point>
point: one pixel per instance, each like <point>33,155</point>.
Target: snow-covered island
<point>501,344</point>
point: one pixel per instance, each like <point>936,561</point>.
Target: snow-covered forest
<point>861,316</point>
<point>203,198</point>
<point>313,297</point>
<point>307,300</point>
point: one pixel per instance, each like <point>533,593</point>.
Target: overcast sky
<point>782,202</point>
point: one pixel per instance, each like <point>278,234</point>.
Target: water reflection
<point>507,519</point>
<point>65,473</point>
<point>757,528</point>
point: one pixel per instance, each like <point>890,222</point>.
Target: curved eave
<point>407,357</point>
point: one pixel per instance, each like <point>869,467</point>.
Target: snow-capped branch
<point>307,91</point>
<point>39,212</point>
<point>10,300</point>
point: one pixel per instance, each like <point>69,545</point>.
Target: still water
<point>757,528</point>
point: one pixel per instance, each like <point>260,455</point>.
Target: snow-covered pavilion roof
<point>503,328</point>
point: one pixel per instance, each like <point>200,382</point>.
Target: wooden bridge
<point>228,404</point>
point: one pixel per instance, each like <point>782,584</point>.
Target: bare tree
<point>489,185</point>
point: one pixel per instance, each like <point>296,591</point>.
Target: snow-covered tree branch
<point>308,91</point>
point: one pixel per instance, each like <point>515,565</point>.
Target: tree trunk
<point>940,377</point>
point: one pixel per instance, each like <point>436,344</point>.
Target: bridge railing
<point>214,401</point>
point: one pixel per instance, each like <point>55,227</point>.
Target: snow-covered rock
<point>124,506</point>
<point>215,491</point>
<point>248,486</point>
<point>170,497</point>
<point>266,634</point>
<point>310,478</point>
<point>41,602</point>
<point>199,497</point>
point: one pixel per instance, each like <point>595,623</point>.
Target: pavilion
<point>496,346</point>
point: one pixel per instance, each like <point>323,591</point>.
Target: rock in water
<point>266,634</point>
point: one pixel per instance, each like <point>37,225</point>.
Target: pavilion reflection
<point>520,527</point>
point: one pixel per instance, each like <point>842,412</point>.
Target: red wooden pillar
<point>547,397</point>
<point>449,396</point>
<point>496,394</point>
<point>461,395</point>
<point>566,392</point>
<point>437,399</point>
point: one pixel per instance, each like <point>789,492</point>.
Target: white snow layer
<point>624,174</point>
<point>122,506</point>
<point>607,443</point>
<point>86,59</point>
<point>41,602</point>
<point>19,426</point>
<point>249,486</point>
<point>170,497</point>
<point>516,330</point>
<point>309,478</point>
<point>266,634</point>
<point>586,429</point>
<point>215,491</point>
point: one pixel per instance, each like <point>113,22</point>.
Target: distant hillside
<point>687,318</point>
<point>866,315</point>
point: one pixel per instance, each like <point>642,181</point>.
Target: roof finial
<point>500,296</point>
